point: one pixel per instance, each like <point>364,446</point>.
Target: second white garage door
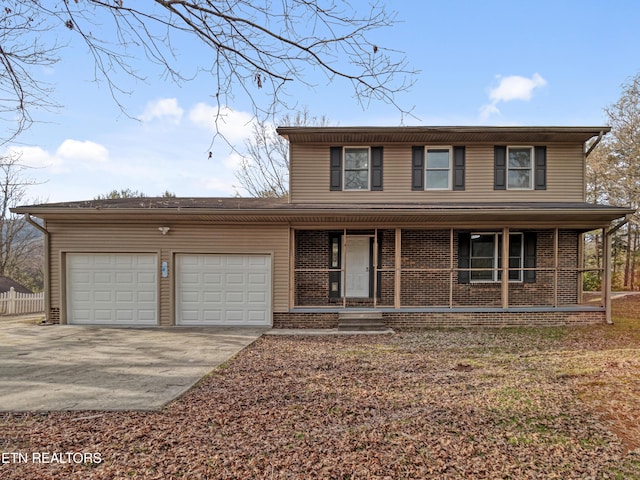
<point>223,290</point>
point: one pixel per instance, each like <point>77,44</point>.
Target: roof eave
<point>562,217</point>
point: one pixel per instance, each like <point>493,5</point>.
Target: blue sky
<point>490,62</point>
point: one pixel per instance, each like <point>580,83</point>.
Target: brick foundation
<point>415,320</point>
<point>54,315</point>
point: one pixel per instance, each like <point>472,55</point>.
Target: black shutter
<point>335,274</point>
<point>417,168</point>
<point>376,168</point>
<point>499,168</point>
<point>529,256</point>
<point>380,263</point>
<point>464,256</point>
<point>335,168</point>
<point>540,168</point>
<point>458,168</point>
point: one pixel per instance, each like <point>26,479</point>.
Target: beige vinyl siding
<point>310,178</point>
<point>182,238</point>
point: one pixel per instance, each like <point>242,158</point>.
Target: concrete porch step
<point>361,321</point>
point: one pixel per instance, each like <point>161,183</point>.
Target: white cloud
<point>516,88</point>
<point>164,109</point>
<point>35,157</point>
<point>511,88</point>
<point>233,125</point>
<point>86,152</point>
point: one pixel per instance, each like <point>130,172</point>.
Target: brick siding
<point>424,250</point>
<point>54,315</point>
<point>417,320</point>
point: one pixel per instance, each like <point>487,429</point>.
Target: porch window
<point>356,168</point>
<point>520,168</point>
<point>438,168</point>
<point>486,257</point>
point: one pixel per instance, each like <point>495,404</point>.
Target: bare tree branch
<point>255,47</point>
<point>18,239</point>
<point>264,171</point>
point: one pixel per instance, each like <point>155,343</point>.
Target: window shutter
<point>464,256</point>
<point>499,168</point>
<point>335,174</point>
<point>541,168</point>
<point>458,168</point>
<point>376,168</point>
<point>529,257</point>
<point>417,168</point>
<point>335,275</point>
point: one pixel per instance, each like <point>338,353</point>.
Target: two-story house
<point>419,226</point>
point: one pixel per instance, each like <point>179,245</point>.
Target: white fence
<point>14,303</point>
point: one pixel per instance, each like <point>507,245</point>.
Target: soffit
<point>564,215</point>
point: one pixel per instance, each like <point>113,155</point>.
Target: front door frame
<point>366,269</point>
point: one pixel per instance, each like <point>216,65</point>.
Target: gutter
<point>595,144</point>
<point>47,283</point>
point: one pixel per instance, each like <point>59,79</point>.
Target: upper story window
<point>438,168</point>
<point>356,168</point>
<point>520,168</point>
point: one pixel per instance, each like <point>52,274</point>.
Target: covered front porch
<point>424,276</point>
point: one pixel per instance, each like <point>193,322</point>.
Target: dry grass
<point>472,403</point>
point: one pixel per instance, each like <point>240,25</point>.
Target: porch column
<point>451,268</point>
<point>606,274</point>
<point>398,268</point>
<point>555,267</point>
<point>292,264</point>
<point>505,267</point>
<point>581,265</point>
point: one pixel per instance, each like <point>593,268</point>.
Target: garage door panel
<point>234,279</point>
<point>258,261</point>
<point>103,297</point>
<point>232,289</point>
<point>212,297</point>
<point>234,297</point>
<point>256,279</point>
<point>102,277</point>
<point>212,278</point>
<point>211,261</point>
<point>146,297</point>
<point>257,297</point>
<point>212,315</point>
<point>119,289</point>
<point>234,260</point>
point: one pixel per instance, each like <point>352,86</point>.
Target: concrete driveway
<point>55,367</point>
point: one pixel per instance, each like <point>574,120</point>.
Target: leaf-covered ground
<point>472,403</point>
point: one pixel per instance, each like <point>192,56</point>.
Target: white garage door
<point>112,289</point>
<point>223,290</point>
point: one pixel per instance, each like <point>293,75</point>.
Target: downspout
<point>595,144</point>
<point>607,245</point>
<point>47,285</point>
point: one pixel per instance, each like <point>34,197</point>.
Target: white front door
<point>356,263</point>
